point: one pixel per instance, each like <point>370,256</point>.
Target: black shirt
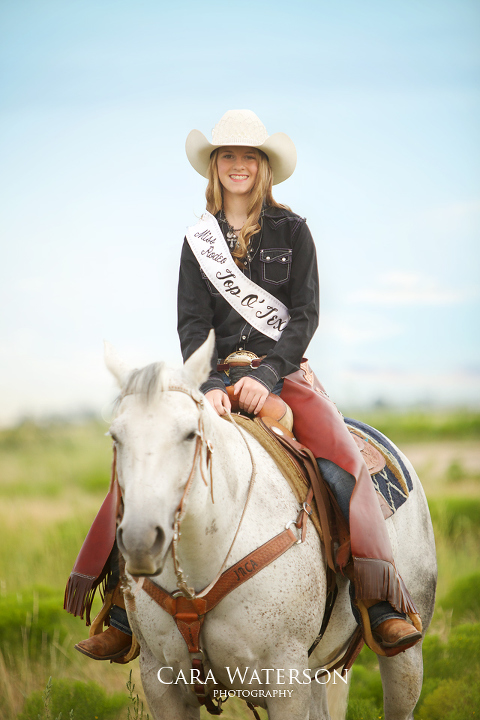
<point>283,262</point>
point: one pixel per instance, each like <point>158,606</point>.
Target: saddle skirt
<point>390,476</point>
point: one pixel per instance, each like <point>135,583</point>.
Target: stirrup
<point>113,597</point>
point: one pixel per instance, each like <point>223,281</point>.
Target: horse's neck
<point>208,528</point>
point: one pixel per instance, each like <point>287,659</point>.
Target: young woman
<point>249,271</point>
<point>270,245</point>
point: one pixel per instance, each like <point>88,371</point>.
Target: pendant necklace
<point>232,237</point>
<point>232,233</point>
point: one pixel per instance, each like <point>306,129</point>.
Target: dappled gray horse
<point>171,446</point>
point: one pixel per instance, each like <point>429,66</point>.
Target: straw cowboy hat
<point>243,127</point>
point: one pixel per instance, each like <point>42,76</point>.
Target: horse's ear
<point>115,364</point>
<point>199,365</point>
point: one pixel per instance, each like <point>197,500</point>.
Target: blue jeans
<point>118,616</point>
<point>119,619</point>
<point>341,483</point>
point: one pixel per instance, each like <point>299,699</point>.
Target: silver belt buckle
<point>240,356</point>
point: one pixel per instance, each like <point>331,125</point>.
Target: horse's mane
<point>147,383</point>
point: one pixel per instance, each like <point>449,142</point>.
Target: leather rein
<point>189,608</point>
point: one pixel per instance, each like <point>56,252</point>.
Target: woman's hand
<point>219,400</point>
<point>252,394</point>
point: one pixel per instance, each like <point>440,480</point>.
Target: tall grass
<point>423,426</point>
<point>50,460</point>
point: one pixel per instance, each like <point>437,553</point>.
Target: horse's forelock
<point>146,383</point>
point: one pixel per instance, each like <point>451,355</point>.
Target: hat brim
<point>279,148</point>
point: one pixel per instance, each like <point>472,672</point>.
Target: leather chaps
<point>320,426</point>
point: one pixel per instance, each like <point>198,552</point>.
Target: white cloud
<point>357,328</point>
<point>468,377</point>
<point>400,288</point>
<point>362,385</point>
<point>453,218</point>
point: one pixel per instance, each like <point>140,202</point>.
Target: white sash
<point>260,309</point>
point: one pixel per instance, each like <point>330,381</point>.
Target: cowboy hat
<point>243,127</point>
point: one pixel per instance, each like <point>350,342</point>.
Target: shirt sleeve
<point>285,356</point>
<point>195,314</point>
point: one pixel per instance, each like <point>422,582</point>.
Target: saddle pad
<point>393,482</point>
<point>289,469</point>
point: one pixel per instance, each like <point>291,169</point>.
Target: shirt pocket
<point>276,265</point>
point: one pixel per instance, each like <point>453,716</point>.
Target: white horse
<point>257,638</point>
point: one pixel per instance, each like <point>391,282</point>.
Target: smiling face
<point>237,169</point>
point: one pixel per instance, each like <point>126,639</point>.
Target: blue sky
<point>382,101</point>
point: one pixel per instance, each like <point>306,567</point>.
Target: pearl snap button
<point>268,257</point>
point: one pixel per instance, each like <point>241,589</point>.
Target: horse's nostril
<point>159,541</point>
<point>120,544</point>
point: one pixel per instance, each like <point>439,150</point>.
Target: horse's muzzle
<point>143,552</point>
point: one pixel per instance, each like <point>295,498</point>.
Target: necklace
<point>232,237</point>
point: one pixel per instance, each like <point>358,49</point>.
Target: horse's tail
<point>337,697</point>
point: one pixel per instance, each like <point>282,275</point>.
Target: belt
<point>240,358</point>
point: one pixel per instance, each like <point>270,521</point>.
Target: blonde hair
<point>260,194</point>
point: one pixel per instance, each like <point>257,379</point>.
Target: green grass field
<point>52,480</point>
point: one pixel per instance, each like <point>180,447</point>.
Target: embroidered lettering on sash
<point>257,306</point>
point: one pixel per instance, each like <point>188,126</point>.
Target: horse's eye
<point>191,436</point>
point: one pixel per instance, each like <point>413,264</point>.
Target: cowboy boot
<point>112,643</point>
<point>396,634</point>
